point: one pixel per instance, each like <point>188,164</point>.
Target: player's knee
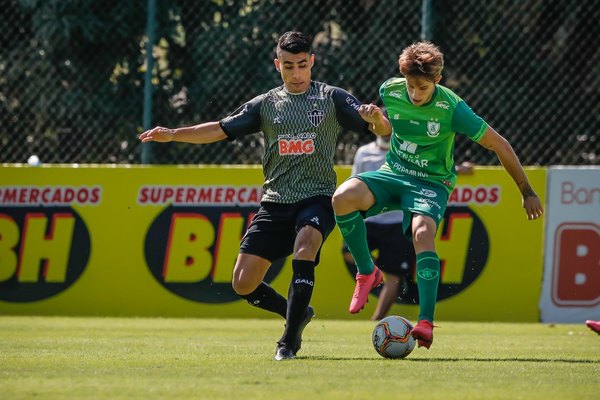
<point>338,199</point>
<point>352,195</point>
<point>343,198</point>
<point>307,249</point>
<point>308,242</point>
<point>423,235</point>
<point>306,253</point>
<point>242,286</point>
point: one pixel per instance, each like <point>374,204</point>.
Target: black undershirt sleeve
<point>245,120</point>
<point>346,110</point>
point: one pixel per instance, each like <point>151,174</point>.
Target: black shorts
<point>396,254</point>
<point>272,232</point>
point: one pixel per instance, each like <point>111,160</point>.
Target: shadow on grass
<point>513,359</point>
<point>459,359</point>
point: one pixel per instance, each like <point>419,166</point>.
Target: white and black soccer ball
<point>392,338</point>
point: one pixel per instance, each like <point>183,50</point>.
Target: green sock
<point>354,232</point>
<point>428,277</point>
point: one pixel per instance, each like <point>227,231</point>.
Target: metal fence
<point>72,71</point>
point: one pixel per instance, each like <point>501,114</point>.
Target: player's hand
<point>465,168</point>
<point>157,134</point>
<point>533,207</point>
<point>370,113</point>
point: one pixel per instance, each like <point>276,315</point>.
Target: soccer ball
<point>392,338</point>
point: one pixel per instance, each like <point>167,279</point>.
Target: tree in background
<point>72,71</point>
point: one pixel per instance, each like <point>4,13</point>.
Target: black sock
<point>267,298</point>
<point>300,292</point>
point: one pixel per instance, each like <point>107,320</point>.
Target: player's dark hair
<point>422,59</point>
<point>294,42</point>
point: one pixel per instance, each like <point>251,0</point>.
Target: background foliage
<point>72,71</point>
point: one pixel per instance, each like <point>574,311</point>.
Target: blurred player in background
<point>395,254</point>
<point>300,121</point>
<point>419,175</point>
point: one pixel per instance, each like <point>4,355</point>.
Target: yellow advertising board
<point>162,241</point>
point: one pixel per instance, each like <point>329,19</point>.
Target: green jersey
<point>422,144</point>
<point>300,132</point>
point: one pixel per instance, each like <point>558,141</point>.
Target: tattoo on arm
<point>527,191</point>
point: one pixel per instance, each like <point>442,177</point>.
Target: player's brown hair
<point>422,59</point>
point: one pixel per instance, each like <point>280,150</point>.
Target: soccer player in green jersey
<point>418,175</point>
<point>300,121</point>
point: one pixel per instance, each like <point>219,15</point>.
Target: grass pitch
<point>119,358</point>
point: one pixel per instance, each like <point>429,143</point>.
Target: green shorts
<point>399,192</point>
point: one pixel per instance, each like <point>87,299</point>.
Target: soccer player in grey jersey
<point>300,121</point>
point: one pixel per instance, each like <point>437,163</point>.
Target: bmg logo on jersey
<point>44,242</point>
<point>303,143</point>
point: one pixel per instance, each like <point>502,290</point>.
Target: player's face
<point>295,70</point>
<point>420,89</point>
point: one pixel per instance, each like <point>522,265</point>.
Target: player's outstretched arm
<point>531,202</point>
<point>378,123</point>
<point>208,132</point>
